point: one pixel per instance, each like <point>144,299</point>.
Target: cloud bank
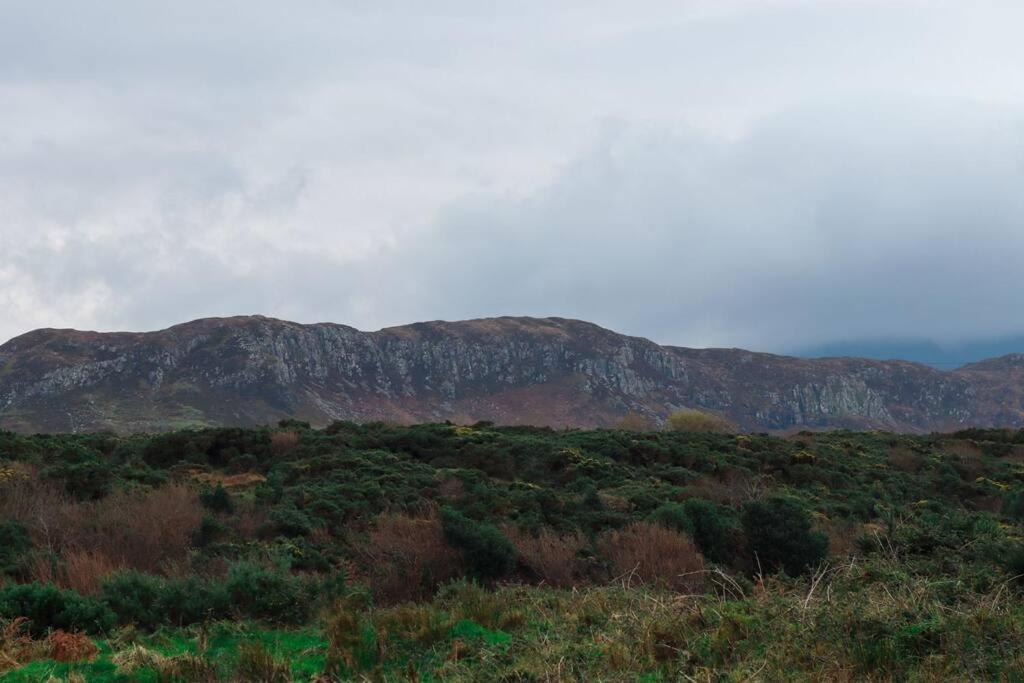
<point>769,175</point>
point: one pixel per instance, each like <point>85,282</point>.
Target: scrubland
<point>464,553</point>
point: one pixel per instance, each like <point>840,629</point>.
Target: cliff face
<point>252,370</point>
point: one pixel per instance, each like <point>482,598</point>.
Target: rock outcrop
<point>253,370</point>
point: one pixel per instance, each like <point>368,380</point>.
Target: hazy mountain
<point>251,370</point>
<point>945,356</point>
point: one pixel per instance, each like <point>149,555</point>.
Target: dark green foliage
<point>715,529</point>
<point>779,536</point>
<point>82,472</point>
<point>135,598</point>
<point>486,551</point>
<point>47,607</point>
<point>272,595</point>
<point>673,516</point>
<point>14,543</point>
<point>217,499</point>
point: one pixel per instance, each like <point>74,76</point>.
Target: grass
<point>862,620</point>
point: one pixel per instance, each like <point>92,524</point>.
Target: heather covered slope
<point>254,370</point>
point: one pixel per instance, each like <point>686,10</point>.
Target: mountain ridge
<point>244,370</point>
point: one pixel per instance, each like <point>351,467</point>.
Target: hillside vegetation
<point>447,552</point>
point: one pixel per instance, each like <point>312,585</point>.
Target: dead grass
<point>70,647</point>
<point>229,481</point>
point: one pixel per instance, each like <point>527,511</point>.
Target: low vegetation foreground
<point>482,553</point>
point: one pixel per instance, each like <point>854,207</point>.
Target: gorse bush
<point>779,536</point>
<point>14,543</point>
<point>48,607</point>
<point>217,499</point>
<point>715,529</point>
<point>487,553</point>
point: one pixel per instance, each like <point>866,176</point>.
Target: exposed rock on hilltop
<point>251,370</point>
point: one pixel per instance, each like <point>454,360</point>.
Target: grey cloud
<point>653,167</point>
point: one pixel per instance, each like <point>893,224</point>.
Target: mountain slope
<point>251,370</point>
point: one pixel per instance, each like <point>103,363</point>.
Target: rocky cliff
<point>252,370</point>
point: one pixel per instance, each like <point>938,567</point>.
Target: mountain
<point>919,350</point>
<point>254,370</point>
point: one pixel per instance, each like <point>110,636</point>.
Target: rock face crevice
<point>252,370</point>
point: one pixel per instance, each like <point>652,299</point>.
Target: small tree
<point>779,536</point>
<point>697,421</point>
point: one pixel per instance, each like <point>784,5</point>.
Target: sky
<point>767,174</point>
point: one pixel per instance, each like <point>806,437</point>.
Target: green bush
<point>82,472</point>
<point>217,499</point>
<point>135,598</point>
<point>486,551</point>
<point>715,529</point>
<point>779,536</point>
<point>47,607</point>
<point>14,543</point>
<point>273,595</point>
<point>673,516</point>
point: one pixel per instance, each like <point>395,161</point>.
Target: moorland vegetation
<point>454,552</point>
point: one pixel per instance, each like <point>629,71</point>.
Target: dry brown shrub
<point>551,557</point>
<point>283,442</point>
<point>406,558</point>
<point>710,488</point>
<point>842,536</point>
<point>451,488</point>
<point>70,647</point>
<point>905,460</point>
<point>698,421</point>
<point>635,422</point>
<point>147,530</point>
<point>653,555</point>
<point>85,569</point>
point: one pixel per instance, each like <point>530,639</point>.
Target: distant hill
<point>253,370</point>
<point>946,357</point>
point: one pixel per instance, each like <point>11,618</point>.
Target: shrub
<point>192,600</point>
<point>217,499</point>
<point>552,557</point>
<point>135,598</point>
<point>273,595</point>
<point>715,529</point>
<point>407,558</point>
<point>47,607</point>
<point>635,422</point>
<point>84,569</point>
<point>779,536</point>
<point>87,479</point>
<point>673,516</point>
<point>654,555</point>
<point>283,442</point>
<point>290,521</point>
<point>697,421</point>
<point>14,543</point>
<point>488,554</point>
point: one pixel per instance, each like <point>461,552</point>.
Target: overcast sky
<point>765,174</point>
